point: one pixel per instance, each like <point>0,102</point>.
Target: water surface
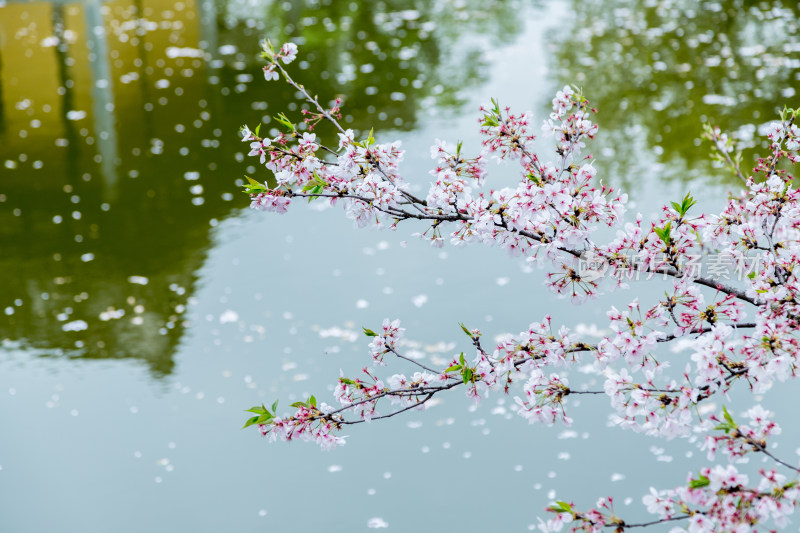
<point>143,306</point>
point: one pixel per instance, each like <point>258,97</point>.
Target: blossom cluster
<point>735,333</point>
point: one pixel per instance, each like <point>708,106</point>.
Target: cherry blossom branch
<point>549,216</point>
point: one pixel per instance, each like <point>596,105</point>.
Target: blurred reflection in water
<point>118,147</point>
<point>658,70</point>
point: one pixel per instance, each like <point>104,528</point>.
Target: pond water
<point>143,307</point>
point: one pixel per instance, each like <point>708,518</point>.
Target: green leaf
<point>347,381</point>
<point>250,422</point>
<point>685,205</point>
<point>465,330</point>
<point>701,481</point>
<point>298,405</point>
<point>728,417</point>
<point>319,180</point>
<point>275,407</point>
<point>452,368</point>
<point>495,107</point>
<point>256,410</point>
<point>253,186</point>
<point>258,129</point>
<point>461,359</point>
<point>467,375</point>
<point>560,507</point>
<point>283,120</point>
<point>253,182</point>
<point>312,401</point>
<point>663,233</point>
<point>751,275</point>
<point>369,332</point>
<point>266,417</point>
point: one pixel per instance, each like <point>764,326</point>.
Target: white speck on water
<point>706,409</point>
<point>382,245</point>
<point>87,257</point>
<point>137,454</point>
<point>591,330</point>
<point>446,445</point>
<point>568,434</point>
<point>362,304</point>
<point>425,449</point>
<point>517,468</point>
<point>564,456</point>
<point>220,400</point>
<point>172,445</point>
<point>537,486</point>
<point>300,377</point>
<point>75,115</point>
<point>414,424</point>
<point>502,281</point>
<point>617,476</point>
<point>664,458</point>
<point>371,492</point>
<point>339,333</point>
<point>335,468</point>
<point>9,310</point>
<point>551,475</point>
<point>74,412</point>
<point>628,500</point>
<point>419,300</point>
<point>138,280</point>
<point>377,523</point>
<point>75,325</point>
<point>12,391</point>
<point>387,475</point>
<point>551,494</point>
<point>262,512</point>
<point>466,455</point>
<point>229,315</point>
<point>158,479</point>
<point>191,176</point>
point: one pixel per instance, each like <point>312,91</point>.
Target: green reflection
<point>116,149</point>
<point>657,70</point>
